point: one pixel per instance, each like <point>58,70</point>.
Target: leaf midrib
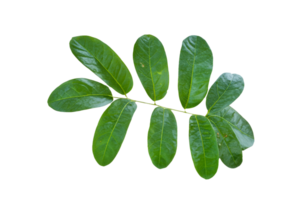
<point>225,143</point>
<point>114,129</point>
<point>221,95</point>
<point>202,145</point>
<point>154,96</point>
<point>162,132</point>
<point>102,66</point>
<point>80,96</point>
<point>232,125</point>
<point>192,75</point>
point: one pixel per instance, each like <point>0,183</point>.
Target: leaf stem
<point>154,104</point>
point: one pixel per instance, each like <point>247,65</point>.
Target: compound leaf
<point>111,130</point>
<point>239,125</point>
<point>151,65</point>
<point>79,94</point>
<point>204,147</point>
<point>162,137</point>
<point>103,61</point>
<point>224,91</point>
<point>195,67</point>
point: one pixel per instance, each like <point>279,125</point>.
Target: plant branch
<point>154,104</point>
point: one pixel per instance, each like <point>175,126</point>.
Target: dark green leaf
<point>204,147</point>
<point>239,125</point>
<point>151,65</point>
<point>224,91</point>
<point>230,150</point>
<point>103,61</point>
<point>195,67</point>
<point>111,130</point>
<point>79,94</point>
<point>162,137</point>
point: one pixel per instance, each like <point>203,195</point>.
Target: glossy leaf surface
<point>230,150</point>
<point>195,67</point>
<point>111,130</point>
<point>162,137</point>
<point>204,147</point>
<point>151,65</point>
<point>103,61</point>
<point>79,94</point>
<point>224,91</point>
<point>239,125</point>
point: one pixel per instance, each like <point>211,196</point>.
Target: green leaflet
<point>111,130</point>
<point>239,125</point>
<point>224,91</point>
<point>79,94</point>
<point>103,61</point>
<point>151,65</point>
<point>195,67</point>
<point>230,150</point>
<point>204,147</point>
<point>162,137</point>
